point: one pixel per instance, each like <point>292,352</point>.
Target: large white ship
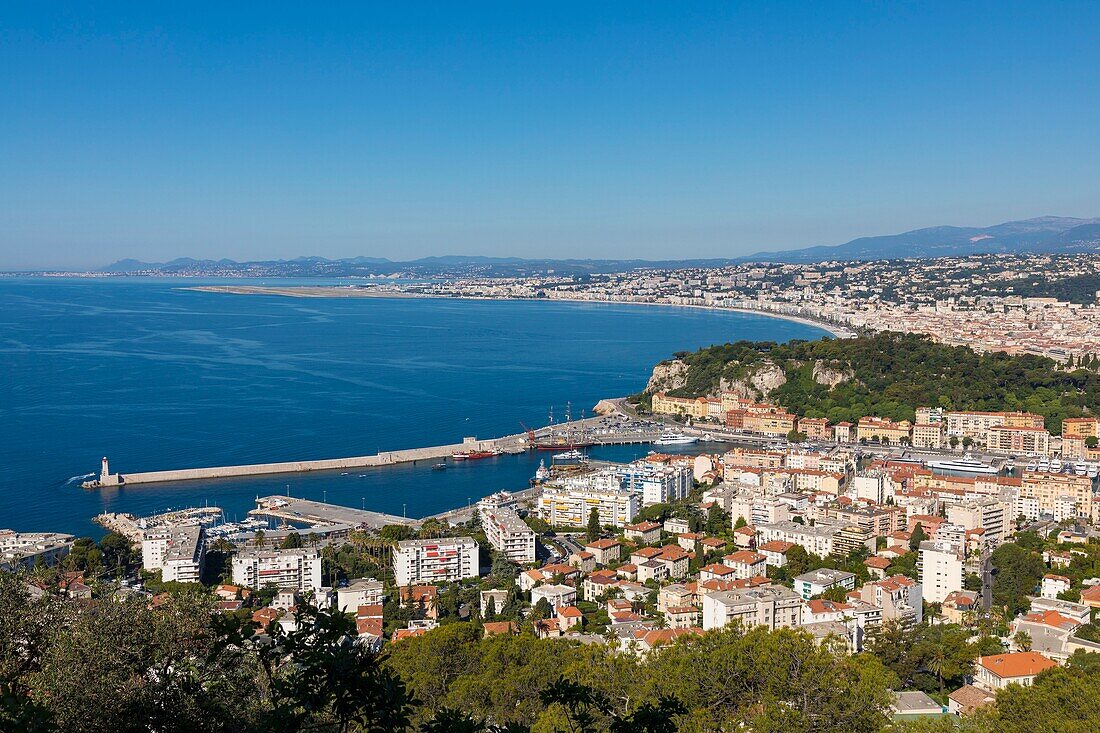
<point>675,439</point>
<point>966,464</point>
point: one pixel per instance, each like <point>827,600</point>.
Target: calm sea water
<point>157,377</point>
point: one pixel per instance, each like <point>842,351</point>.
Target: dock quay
<point>133,528</point>
<point>316,513</point>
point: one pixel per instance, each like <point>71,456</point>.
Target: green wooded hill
<point>891,374</point>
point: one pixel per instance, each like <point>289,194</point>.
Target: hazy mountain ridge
<point>1041,234</point>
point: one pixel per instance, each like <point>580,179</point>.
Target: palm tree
<point>936,663</point>
<point>258,538</point>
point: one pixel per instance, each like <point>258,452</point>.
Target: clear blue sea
<point>157,377</point>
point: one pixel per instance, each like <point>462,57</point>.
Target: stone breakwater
<point>509,444</point>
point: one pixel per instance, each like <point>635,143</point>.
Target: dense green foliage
<point>892,374</point>
<point>1074,289</point>
<point>118,665</point>
<point>1016,573</point>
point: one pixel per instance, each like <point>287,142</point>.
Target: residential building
<point>899,598</point>
<point>928,435</point>
<point>878,429</point>
<point>359,592</point>
<point>959,606</point>
<point>442,560</point>
<point>645,533</point>
<point>606,551</point>
<point>997,671</point>
<point>775,552</point>
<point>1005,439</point>
<point>941,569</point>
<point>508,533</point>
<point>1049,488</point>
<point>656,483</point>
<point>992,515</point>
<point>746,564</point>
<point>771,606</point>
<point>816,540</point>
<point>1054,585</point>
<point>179,552</point>
<point>26,549</point>
<point>695,407</point>
<point>566,506</point>
<point>558,596</point>
<point>298,568</point>
<point>816,582</point>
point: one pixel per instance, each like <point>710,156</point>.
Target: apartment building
<point>880,429</point>
<point>817,540</point>
<point>759,510</point>
<point>656,483</point>
<point>26,549</point>
<point>900,598</point>
<point>1081,427</point>
<point>179,553</point>
<point>992,515</point>
<point>565,506</point>
<point>940,569</point>
<point>746,564</point>
<point>976,424</point>
<point>508,534</point>
<point>1008,439</point>
<point>816,582</point>
<point>997,671</point>
<point>775,424</point>
<point>361,592</point>
<point>1052,492</point>
<point>929,435</point>
<point>442,560</point>
<point>695,407</point>
<point>771,606</point>
<point>298,568</point>
<point>815,428</point>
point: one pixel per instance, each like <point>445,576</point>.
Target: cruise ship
<point>966,464</point>
<point>675,439</point>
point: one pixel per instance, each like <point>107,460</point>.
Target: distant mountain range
<point>1047,234</point>
<point>1043,234</point>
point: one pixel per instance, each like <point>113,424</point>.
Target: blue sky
<point>630,129</point>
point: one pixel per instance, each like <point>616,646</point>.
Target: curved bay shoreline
<point>328,291</point>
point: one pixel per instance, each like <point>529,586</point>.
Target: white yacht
<point>675,439</point>
<point>1056,466</point>
<point>966,464</point>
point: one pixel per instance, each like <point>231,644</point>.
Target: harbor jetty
<point>553,437</point>
<point>509,444</point>
<point>320,514</point>
<point>133,528</point>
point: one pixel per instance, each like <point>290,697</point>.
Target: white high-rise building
<point>442,560</point>
<point>507,533</point>
<point>941,570</point>
<point>565,506</point>
<point>179,553</point>
<point>298,568</point>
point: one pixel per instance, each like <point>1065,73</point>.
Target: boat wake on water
<point>82,477</point>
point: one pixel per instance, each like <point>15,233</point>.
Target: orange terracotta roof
<point>1016,664</point>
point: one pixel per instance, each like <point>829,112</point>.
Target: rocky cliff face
<point>667,376</point>
<point>830,376</point>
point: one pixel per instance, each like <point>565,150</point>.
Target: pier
<point>317,513</point>
<point>508,444</point>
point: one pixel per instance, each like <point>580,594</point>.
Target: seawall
<point>385,458</point>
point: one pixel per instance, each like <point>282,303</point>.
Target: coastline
<point>306,291</point>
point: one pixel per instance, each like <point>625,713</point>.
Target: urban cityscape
<point>769,485</point>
